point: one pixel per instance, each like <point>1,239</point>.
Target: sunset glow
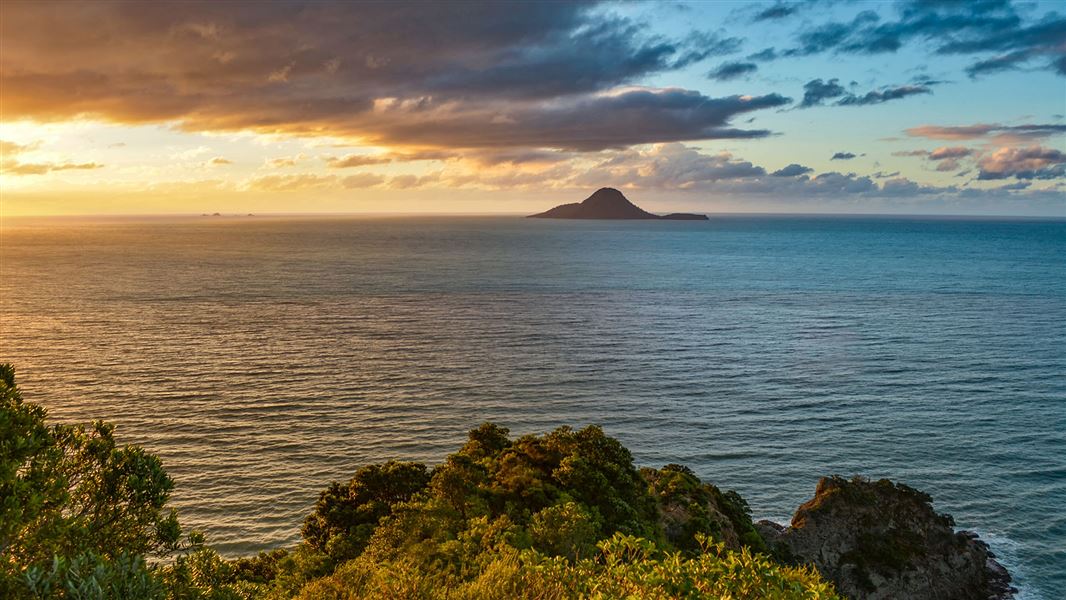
<point>355,107</point>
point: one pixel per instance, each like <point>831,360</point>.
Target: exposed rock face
<point>609,203</point>
<point>881,540</point>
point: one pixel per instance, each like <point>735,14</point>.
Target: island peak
<point>609,203</point>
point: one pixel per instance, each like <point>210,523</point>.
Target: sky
<point>913,107</point>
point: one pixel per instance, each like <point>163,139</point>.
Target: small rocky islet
<point>609,203</point>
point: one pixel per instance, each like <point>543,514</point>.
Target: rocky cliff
<point>880,540</point>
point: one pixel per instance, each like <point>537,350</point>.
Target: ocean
<point>263,357</point>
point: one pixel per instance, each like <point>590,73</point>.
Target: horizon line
<point>313,214</point>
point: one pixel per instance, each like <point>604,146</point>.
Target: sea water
<point>262,358</point>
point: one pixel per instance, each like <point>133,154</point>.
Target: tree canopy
<point>560,515</point>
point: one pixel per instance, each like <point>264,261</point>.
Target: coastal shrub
<point>346,514</point>
<point>91,576</point>
<point>72,494</point>
<point>625,567</point>
<point>561,515</point>
<point>689,507</point>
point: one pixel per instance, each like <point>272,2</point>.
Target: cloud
<point>779,10</point>
<point>817,91</point>
<point>519,156</point>
<point>10,149</point>
<point>702,45</point>
<point>1022,44</point>
<point>423,74</point>
<point>19,168</point>
<point>911,153</point>
<point>587,124</point>
<point>901,186</point>
<point>191,153</point>
<point>951,28</point>
<point>677,167</point>
<point>666,166</point>
<point>732,70</point>
<point>404,182</point>
<point>1001,132</point>
<point>1004,62</point>
<point>284,161</point>
<point>883,95</point>
<point>950,152</point>
<point>764,55</point>
<point>1034,162</point>
<point>831,35</point>
<point>843,156</point>
<point>11,164</point>
<point>290,183</point>
<point>219,160</point>
<point>355,160</point>
<point>362,180</point>
<point>792,170</point>
<point>945,158</point>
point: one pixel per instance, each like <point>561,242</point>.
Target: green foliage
<point>560,492</point>
<point>561,515</point>
<point>626,567</point>
<point>72,492</point>
<point>90,576</point>
<point>346,515</point>
<point>274,575</point>
<point>564,530</point>
<point>690,507</point>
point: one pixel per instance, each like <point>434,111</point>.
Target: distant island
<point>609,203</point>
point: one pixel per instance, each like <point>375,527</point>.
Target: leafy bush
<point>561,515</point>
<point>91,577</point>
<point>627,567</point>
<point>346,515</point>
<point>70,491</point>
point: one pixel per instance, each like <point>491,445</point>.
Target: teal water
<point>264,357</point>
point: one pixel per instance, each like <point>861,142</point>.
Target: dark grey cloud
<point>701,45</point>
<point>903,187</point>
<point>1005,62</point>
<point>816,91</point>
<point>831,35</point>
<point>591,123</point>
<point>884,95</point>
<point>732,70</point>
<point>764,55</point>
<point>965,28</point>
<point>792,170</point>
<point>1018,44</point>
<point>843,156</point>
<point>457,74</point>
<point>778,10</point>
